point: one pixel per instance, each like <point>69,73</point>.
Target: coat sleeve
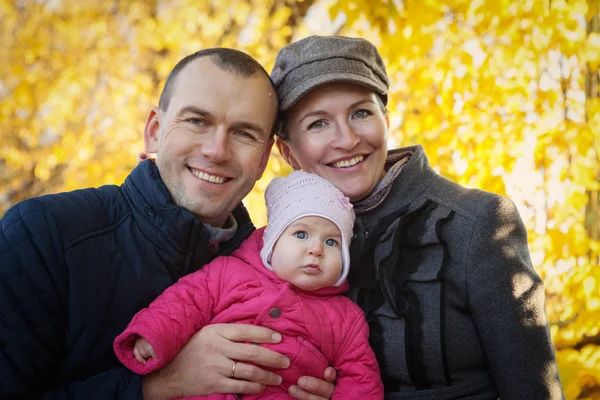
<point>172,318</point>
<point>114,384</point>
<point>33,291</point>
<point>33,304</point>
<point>357,370</point>
<point>506,298</point>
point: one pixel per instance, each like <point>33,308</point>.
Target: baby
<point>290,277</point>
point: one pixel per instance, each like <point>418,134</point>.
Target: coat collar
<point>414,180</point>
<point>181,239</point>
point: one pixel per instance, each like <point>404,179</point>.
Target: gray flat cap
<point>303,65</point>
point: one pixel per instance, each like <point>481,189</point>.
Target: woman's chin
<point>355,193</point>
<point>354,189</point>
<point>356,182</point>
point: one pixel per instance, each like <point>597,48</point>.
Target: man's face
<point>213,142</point>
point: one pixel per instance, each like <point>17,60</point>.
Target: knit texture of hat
<point>316,60</point>
<point>302,194</point>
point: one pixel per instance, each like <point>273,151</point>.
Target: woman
<point>442,272</point>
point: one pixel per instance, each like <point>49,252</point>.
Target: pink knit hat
<point>302,194</point>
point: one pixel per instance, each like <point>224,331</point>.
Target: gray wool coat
<point>455,308</point>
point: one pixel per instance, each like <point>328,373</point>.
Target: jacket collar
<point>181,240</point>
<point>414,179</point>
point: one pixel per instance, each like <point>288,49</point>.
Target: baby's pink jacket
<point>320,328</point>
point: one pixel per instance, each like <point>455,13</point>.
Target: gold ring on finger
<point>233,369</point>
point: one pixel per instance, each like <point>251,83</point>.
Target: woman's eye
<point>362,113</point>
<point>331,242</point>
<point>300,235</point>
<point>317,124</point>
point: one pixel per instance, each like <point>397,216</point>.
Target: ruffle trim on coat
<point>411,242</point>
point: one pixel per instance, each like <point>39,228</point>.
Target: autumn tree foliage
<point>503,94</point>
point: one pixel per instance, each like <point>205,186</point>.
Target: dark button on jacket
<point>275,313</point>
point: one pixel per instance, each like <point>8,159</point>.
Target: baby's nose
<point>316,248</point>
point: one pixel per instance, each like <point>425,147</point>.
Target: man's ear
<point>152,130</point>
<point>265,159</point>
<point>286,152</point>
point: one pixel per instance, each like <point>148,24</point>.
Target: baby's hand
<point>142,350</point>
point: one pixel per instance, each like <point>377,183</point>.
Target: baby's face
<point>309,254</point>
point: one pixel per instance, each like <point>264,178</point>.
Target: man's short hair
<point>229,60</point>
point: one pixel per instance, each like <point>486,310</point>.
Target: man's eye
<point>196,121</point>
<point>317,124</point>
<point>331,242</point>
<point>245,134</point>
<point>300,235</point>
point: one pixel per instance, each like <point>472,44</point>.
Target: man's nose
<point>346,137</point>
<point>216,146</point>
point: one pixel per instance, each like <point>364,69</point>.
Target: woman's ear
<point>286,152</point>
<point>152,130</point>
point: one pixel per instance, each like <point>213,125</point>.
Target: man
<point>77,266</point>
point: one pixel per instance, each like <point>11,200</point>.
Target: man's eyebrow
<point>323,112</point>
<point>240,125</point>
<point>193,110</point>
<point>250,126</point>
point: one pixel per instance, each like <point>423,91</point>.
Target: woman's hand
<point>310,388</point>
<point>204,366</point>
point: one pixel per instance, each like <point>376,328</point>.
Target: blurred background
<point>502,94</point>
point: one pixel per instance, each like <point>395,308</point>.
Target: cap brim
<point>304,87</point>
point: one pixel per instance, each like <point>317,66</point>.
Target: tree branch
<point>587,340</point>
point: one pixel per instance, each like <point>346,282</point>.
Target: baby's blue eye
<point>301,235</point>
<point>331,242</point>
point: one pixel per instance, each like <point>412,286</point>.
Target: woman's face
<point>339,132</point>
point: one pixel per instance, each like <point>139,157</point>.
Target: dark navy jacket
<point>74,269</point>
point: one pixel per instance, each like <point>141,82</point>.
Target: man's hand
<point>204,365</point>
<point>310,388</point>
